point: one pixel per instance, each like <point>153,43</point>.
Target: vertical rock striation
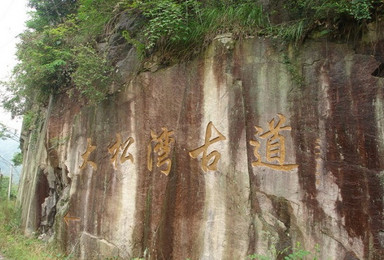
<point>239,151</point>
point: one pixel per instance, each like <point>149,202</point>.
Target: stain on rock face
<point>352,149</point>
<point>223,157</point>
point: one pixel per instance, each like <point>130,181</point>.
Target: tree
<point>17,159</point>
<point>52,12</point>
<point>6,132</point>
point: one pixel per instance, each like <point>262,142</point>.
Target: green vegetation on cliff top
<point>61,51</point>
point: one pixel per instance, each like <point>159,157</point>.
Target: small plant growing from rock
<point>298,253</point>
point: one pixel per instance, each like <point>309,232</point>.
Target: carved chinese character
<point>85,156</point>
<point>275,146</point>
<point>125,155</point>
<point>206,159</point>
<point>162,148</point>
<point>114,149</point>
<point>117,146</point>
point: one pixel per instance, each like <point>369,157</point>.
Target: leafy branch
<point>7,133</point>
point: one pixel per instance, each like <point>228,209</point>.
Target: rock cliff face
<point>237,152</point>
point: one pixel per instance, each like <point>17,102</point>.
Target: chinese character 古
<point>205,165</point>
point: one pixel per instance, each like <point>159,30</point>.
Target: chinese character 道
<point>275,145</point>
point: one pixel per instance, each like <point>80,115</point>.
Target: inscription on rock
<point>85,156</point>
<point>162,149</point>
<point>206,163</point>
<point>117,146</point>
<point>275,146</point>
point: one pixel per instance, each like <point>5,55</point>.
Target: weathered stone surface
<point>163,196</point>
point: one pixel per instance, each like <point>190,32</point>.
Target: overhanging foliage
<point>59,49</point>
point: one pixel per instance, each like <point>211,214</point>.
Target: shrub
<point>92,16</point>
<point>93,74</point>
<point>51,59</point>
<point>294,253</point>
<point>181,28</point>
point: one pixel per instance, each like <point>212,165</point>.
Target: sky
<point>13,14</point>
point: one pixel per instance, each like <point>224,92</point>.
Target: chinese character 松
<point>117,146</point>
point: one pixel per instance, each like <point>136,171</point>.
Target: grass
<point>13,245</point>
<point>202,25</point>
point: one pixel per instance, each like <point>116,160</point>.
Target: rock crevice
<point>221,157</point>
